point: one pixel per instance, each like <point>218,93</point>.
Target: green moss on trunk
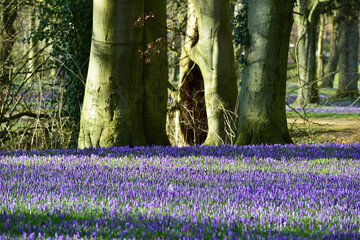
<point>262,116</point>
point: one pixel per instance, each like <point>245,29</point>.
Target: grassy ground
<point>323,126</point>
<point>325,129</point>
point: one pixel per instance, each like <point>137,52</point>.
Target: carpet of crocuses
<point>337,107</point>
<point>200,192</point>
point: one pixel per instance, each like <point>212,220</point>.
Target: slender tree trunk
<point>328,81</point>
<point>192,117</point>
<point>262,116</point>
<point>214,54</point>
<point>349,50</point>
<point>306,55</point>
<point>320,57</point>
<point>10,11</point>
<point>8,30</point>
<point>32,45</point>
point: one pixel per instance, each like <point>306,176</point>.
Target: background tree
<point>306,15</point>
<point>348,48</point>
<point>241,34</point>
<point>331,70</point>
<point>30,98</point>
<point>67,25</point>
<point>320,55</point>
<point>262,117</point>
<point>114,112</point>
<point>9,14</point>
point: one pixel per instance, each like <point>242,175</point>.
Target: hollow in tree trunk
<point>192,118</point>
<point>214,54</point>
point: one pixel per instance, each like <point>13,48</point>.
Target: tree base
<point>342,94</point>
<point>267,134</point>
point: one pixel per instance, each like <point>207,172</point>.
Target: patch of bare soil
<point>324,130</point>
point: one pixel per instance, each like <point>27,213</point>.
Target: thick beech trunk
<point>214,54</point>
<point>262,116</point>
<point>349,49</point>
<point>306,55</point>
<point>114,112</point>
<point>328,81</point>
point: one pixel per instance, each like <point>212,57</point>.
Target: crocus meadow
<point>327,105</point>
<point>200,192</point>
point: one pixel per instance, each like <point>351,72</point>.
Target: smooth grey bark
<point>262,116</point>
<point>320,56</point>
<point>348,49</point>
<point>214,54</point>
<point>306,54</point>
<point>331,70</point>
<point>113,109</point>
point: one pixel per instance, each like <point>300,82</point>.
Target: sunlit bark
<point>262,116</point>
<point>115,109</point>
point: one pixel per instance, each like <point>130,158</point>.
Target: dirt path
<point>321,130</point>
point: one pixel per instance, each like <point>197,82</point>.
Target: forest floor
<point>325,129</point>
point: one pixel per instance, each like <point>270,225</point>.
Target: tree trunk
<point>33,59</point>
<point>214,54</point>
<point>10,11</point>
<point>192,118</point>
<point>114,112</point>
<point>155,78</point>
<point>8,31</point>
<point>320,57</point>
<point>262,116</point>
<point>328,81</point>
<point>349,50</point>
<point>306,56</point>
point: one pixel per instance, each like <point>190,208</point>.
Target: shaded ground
<point>323,130</point>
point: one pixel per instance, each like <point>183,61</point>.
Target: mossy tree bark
<point>328,81</point>
<point>262,116</point>
<point>349,49</point>
<point>306,54</point>
<point>114,112</point>
<point>214,54</point>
